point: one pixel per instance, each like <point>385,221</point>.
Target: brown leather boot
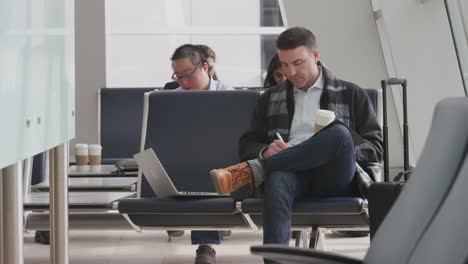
<point>231,178</point>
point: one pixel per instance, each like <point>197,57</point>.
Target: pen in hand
<point>279,137</point>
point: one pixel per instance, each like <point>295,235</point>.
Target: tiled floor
<point>119,247</point>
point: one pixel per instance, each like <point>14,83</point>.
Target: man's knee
<point>340,134</point>
<point>280,181</point>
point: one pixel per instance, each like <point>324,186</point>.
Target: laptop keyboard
<point>198,193</point>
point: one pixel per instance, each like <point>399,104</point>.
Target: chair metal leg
<point>312,238</point>
<point>320,239</point>
<point>12,199</point>
<point>27,176</point>
<point>58,169</point>
<point>297,235</point>
<point>305,236</point>
<point>1,217</point>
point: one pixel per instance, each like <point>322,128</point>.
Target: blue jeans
<point>206,237</point>
<point>322,166</point>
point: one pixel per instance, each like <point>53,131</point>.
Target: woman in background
<point>210,57</point>
<point>275,74</point>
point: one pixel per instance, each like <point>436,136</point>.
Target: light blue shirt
<point>306,105</point>
<point>214,86</point>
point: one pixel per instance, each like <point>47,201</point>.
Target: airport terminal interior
<point>107,156</point>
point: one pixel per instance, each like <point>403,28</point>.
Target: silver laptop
<point>158,179</point>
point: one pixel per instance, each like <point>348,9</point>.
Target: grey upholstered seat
<point>437,169</point>
<point>121,110</point>
<point>427,223</point>
<point>192,132</point>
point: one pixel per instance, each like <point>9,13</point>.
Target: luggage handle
<point>395,81</point>
<point>385,84</point>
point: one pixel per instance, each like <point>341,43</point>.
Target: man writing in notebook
<point>323,165</point>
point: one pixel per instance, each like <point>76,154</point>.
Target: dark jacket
<point>171,85</point>
<point>275,109</point>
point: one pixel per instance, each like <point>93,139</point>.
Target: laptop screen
<point>155,173</point>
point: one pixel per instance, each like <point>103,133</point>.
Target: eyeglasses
<point>186,76</point>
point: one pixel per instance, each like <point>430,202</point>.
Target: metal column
<point>12,214</point>
<point>27,176</point>
<point>58,173</point>
<point>1,217</point>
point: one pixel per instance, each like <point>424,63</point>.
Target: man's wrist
<point>260,154</point>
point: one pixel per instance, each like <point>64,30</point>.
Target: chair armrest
<point>376,169</point>
<point>284,254</point>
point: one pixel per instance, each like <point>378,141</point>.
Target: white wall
<point>90,66</point>
<point>418,46</point>
<point>346,34</point>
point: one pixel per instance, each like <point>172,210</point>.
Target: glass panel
<point>37,81</point>
<point>142,35</point>
<point>140,61</point>
<point>271,15</point>
<point>237,65</point>
<point>145,15</point>
<point>148,63</point>
<point>458,15</point>
<point>226,13</point>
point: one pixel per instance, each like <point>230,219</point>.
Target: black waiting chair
<point>192,132</point>
<point>427,223</point>
<point>119,121</point>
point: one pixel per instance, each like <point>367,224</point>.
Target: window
<point>141,36</point>
<point>458,14</point>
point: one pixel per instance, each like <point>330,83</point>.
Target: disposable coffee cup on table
<point>81,157</point>
<point>95,156</point>
<point>323,118</point>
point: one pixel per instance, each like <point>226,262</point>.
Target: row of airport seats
<point>120,112</point>
<point>93,206</point>
<point>119,128</point>
<point>92,201</point>
<point>191,133</point>
<point>194,132</point>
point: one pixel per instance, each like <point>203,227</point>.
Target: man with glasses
<point>192,72</point>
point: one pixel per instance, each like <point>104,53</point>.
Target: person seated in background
<point>210,56</point>
<point>305,164</point>
<point>180,57</point>
<point>275,74</point>
<point>192,72</point>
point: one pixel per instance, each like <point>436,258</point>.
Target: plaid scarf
<point>279,118</point>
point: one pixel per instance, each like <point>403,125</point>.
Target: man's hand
<point>275,147</point>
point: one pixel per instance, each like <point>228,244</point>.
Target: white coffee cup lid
<point>94,146</point>
<point>81,145</point>
<point>324,117</point>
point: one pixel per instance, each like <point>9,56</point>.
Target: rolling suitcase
<point>383,195</point>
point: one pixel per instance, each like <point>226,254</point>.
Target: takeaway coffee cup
<point>95,157</point>
<point>81,157</point>
<point>323,118</point>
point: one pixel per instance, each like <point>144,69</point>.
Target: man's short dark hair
<point>192,52</point>
<point>296,37</point>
